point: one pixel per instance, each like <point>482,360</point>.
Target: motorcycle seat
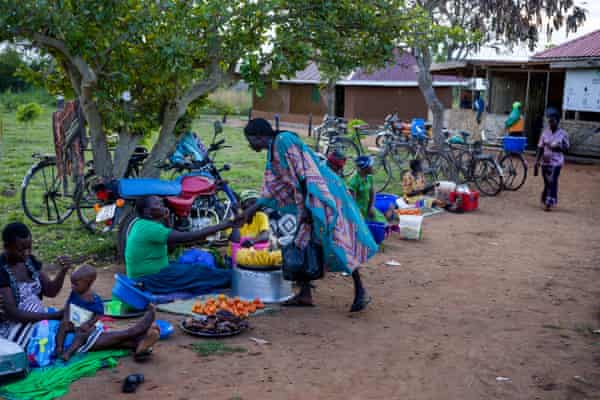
<point>181,206</point>
<point>138,187</point>
<point>192,186</point>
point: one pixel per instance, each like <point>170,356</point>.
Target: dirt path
<point>509,291</point>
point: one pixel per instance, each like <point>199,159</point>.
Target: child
<point>336,161</point>
<point>257,230</point>
<point>81,314</point>
<point>414,187</point>
<point>361,188</point>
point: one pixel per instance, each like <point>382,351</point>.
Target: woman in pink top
<point>554,142</point>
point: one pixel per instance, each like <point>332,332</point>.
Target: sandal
<point>360,304</point>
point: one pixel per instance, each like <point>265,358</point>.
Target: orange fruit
<point>257,301</point>
<point>260,305</point>
<point>222,296</point>
<point>252,308</point>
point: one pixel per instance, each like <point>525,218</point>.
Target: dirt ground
<point>508,291</point>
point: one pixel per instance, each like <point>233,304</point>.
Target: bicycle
<point>472,165</point>
<point>511,160</point>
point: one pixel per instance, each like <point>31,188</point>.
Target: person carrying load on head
<point>515,124</point>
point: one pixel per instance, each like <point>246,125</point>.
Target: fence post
<point>250,114</point>
<point>310,125</point>
<point>276,122</point>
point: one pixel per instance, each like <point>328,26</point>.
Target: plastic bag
<point>42,343</point>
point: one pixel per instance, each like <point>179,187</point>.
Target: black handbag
<point>302,265</point>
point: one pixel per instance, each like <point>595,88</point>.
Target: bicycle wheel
<point>488,177</point>
<point>514,169</point>
<point>349,149</point>
<point>438,167</point>
<point>382,171</point>
<point>44,198</point>
<point>85,199</point>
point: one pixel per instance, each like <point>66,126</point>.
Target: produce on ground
<point>236,306</point>
<point>222,322</point>
<point>258,258</point>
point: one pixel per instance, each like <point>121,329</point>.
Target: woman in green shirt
<point>147,248</point>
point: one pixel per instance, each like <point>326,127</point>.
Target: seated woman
<point>414,187</point>
<point>254,231</point>
<point>147,248</point>
<point>361,188</point>
<point>23,283</point>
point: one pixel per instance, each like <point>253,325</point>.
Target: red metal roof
<point>581,47</point>
<point>402,73</point>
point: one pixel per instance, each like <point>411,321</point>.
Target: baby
<point>81,314</point>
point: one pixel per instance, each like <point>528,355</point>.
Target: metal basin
<point>267,285</point>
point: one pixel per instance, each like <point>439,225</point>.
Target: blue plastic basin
<point>383,201</point>
<point>125,291</point>
<point>377,230</point>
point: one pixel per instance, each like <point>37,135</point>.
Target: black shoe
<point>360,304</point>
<point>131,383</point>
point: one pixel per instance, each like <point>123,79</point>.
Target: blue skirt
<point>195,278</point>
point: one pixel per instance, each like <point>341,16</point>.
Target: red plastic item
<point>465,201</point>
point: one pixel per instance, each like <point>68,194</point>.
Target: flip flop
<point>360,305</point>
<point>295,302</point>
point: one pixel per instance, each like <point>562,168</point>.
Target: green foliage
<point>10,63</point>
<point>354,123</point>
<point>28,113</point>
<point>10,100</point>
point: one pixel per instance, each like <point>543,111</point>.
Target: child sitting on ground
<point>415,188</point>
<point>361,188</point>
<point>81,314</point>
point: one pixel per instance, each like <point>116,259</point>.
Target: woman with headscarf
<point>554,142</point>
<point>515,124</point>
<point>296,181</point>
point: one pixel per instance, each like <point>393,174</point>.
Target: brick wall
<point>584,137</point>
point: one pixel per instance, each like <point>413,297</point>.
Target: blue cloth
<point>96,305</point>
<point>197,256</point>
<point>178,277</point>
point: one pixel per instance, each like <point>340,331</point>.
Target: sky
<point>591,24</point>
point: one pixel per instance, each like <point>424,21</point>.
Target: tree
<point>342,35</point>
<point>167,55</point>
<point>452,29</point>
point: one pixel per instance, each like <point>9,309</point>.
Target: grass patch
<point>205,349</point>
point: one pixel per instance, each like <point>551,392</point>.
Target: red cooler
<point>465,201</point>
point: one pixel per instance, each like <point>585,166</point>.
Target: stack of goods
<point>258,259</point>
<point>236,306</point>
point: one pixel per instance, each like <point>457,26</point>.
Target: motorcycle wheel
<point>124,229</point>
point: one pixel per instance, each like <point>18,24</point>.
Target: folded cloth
<point>193,278</point>
<point>54,381</point>
<point>197,256</point>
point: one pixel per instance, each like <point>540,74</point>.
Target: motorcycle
<point>197,199</point>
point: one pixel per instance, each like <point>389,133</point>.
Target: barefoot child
<point>81,314</point>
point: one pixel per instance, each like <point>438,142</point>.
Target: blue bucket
<point>377,230</point>
<point>514,144</point>
<point>166,329</point>
<point>383,201</point>
<point>125,291</point>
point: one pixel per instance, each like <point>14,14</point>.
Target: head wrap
<point>517,104</point>
<point>259,127</point>
<point>364,162</point>
<point>337,159</point>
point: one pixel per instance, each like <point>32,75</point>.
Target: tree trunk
<point>123,152</point>
<point>102,158</point>
<point>165,145</point>
<point>425,79</point>
<point>331,98</point>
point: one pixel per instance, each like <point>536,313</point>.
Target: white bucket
<point>411,227</point>
<point>443,190</point>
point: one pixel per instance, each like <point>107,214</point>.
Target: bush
<point>10,100</point>
<point>28,113</point>
<point>229,101</point>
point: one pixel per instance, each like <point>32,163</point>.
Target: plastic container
<point>411,227</point>
<point>417,127</point>
<point>236,246</point>
<point>514,144</point>
<point>165,328</point>
<point>125,291</point>
<point>378,230</point>
<point>383,201</point>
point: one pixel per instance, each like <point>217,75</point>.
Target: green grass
<point>20,141</point>
<point>205,349</point>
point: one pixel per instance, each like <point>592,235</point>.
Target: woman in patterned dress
<point>296,181</point>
